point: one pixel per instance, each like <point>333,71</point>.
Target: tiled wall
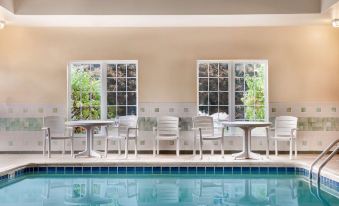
<point>318,125</point>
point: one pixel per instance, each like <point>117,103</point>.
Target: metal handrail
<point>326,160</point>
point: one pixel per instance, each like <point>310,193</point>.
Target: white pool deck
<point>12,161</point>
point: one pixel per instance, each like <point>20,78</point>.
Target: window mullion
<point>103,105</point>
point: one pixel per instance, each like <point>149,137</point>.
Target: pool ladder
<point>334,152</point>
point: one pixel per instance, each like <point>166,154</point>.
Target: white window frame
<point>231,83</point>
<point>103,88</point>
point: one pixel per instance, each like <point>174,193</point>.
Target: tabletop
<point>89,122</point>
<point>247,124</point>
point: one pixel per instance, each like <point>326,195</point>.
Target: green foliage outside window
<point>85,94</point>
<point>254,97</point>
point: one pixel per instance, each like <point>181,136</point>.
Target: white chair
<point>285,129</point>
<point>54,129</point>
<point>167,129</point>
<point>127,130</point>
<point>204,129</point>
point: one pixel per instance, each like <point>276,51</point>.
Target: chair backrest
<point>56,124</point>
<point>125,122</point>
<point>284,124</point>
<point>168,126</point>
<point>206,123</point>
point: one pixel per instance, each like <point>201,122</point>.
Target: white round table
<point>247,127</point>
<point>89,125</point>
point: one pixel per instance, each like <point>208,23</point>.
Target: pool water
<point>163,190</point>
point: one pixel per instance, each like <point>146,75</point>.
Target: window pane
<point>239,84</point>
<point>239,70</point>
<point>121,84</point>
<point>203,84</point>
<point>223,84</point>
<point>203,70</point>
<point>223,113</point>
<point>249,69</point>
<point>131,84</point>
<point>85,91</point>
<point>238,97</point>
<point>111,70</point>
<point>131,98</point>
<point>121,98</point>
<point>213,110</point>
<point>254,97</point>
<point>111,85</point>
<point>239,112</point>
<point>95,112</point>
<point>223,109</point>
<point>111,98</point>
<point>223,98</point>
<point>203,110</point>
<point>121,70</point>
<point>111,112</point>
<point>213,86</point>
<point>213,98</point>
<point>75,113</point>
<point>223,70</point>
<point>213,70</point>
<point>121,110</point>
<point>203,98</point>
<point>131,70</point>
<point>131,110</point>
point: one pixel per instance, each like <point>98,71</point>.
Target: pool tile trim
<point>163,170</point>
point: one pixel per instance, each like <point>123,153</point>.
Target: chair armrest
<point>44,128</point>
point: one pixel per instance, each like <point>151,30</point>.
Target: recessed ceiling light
<point>335,23</point>
<point>2,24</point>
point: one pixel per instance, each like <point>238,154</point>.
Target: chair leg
<point>44,147</point>
<point>154,146</point>
<point>72,149</point>
<point>158,141</point>
<point>106,147</point>
<point>126,148</point>
<point>200,145</point>
<point>194,151</point>
<point>276,147</point>
<point>267,148</point>
<point>119,147</point>
<point>295,148</point>
<point>222,147</point>
<point>135,147</point>
<point>178,145</point>
<point>49,147</point>
<point>64,146</point>
<point>291,148</point>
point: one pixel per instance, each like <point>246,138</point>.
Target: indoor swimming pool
<point>170,186</point>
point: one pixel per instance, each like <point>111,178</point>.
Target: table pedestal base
<point>88,153</point>
<point>249,155</point>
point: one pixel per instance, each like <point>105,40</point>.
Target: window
<point>233,90</point>
<point>102,89</point>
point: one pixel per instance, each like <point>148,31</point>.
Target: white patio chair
<point>285,129</point>
<point>54,129</point>
<point>167,129</point>
<point>204,129</point>
<point>127,130</point>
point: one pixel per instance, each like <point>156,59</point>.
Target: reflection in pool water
<point>162,190</point>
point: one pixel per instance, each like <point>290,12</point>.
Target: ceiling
<point>167,13</point>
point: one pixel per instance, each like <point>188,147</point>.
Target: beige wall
<point>303,61</point>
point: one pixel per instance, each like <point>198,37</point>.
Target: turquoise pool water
<point>288,190</point>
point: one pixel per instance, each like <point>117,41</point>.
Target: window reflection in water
<point>156,191</point>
